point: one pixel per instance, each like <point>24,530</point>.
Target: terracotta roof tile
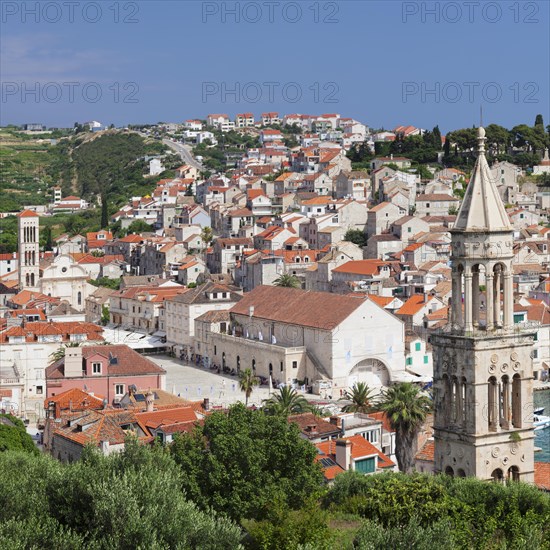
<point>427,452</point>
<point>322,310</point>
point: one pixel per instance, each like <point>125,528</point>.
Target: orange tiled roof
<point>413,305</point>
<point>427,452</point>
<point>542,475</point>
<point>360,267</point>
<point>27,214</point>
<point>74,399</point>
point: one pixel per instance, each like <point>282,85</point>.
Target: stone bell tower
<point>482,364</point>
<point>29,249</point>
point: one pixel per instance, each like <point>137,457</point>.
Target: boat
<point>540,421</point>
<point>539,411</point>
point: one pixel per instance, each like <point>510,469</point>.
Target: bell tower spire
<point>482,363</point>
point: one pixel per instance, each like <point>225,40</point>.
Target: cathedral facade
<point>483,371</point>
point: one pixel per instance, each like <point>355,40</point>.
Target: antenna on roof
<point>481,115</point>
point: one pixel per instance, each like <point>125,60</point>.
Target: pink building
<point>107,371</point>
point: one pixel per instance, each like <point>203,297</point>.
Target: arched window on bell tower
<point>492,403</point>
<point>516,401</point>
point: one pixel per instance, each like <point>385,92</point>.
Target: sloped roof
<point>482,208</point>
<point>427,452</point>
<point>129,362</point>
<point>322,310</point>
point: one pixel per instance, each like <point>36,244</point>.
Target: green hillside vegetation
<point>25,166</point>
<point>14,436</point>
<point>249,480</point>
<point>86,164</point>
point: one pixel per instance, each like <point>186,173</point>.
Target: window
<point>119,389</point>
<point>39,390</point>
<point>366,466</point>
<point>294,364</point>
<point>518,317</point>
<point>426,359</point>
<point>96,368</point>
<point>417,346</point>
<point>409,361</point>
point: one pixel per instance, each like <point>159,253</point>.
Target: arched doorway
<point>371,371</point>
<point>513,473</point>
<point>461,473</point>
<point>449,471</point>
<point>497,475</point>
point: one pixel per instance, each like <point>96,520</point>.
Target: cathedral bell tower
<point>483,421</point>
<point>29,249</point>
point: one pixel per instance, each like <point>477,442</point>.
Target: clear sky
<point>384,63</point>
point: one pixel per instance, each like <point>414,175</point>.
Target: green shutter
<point>366,466</point>
<point>409,361</point>
<point>425,359</point>
<point>518,317</point>
<point>417,346</point>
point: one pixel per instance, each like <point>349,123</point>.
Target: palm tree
<point>361,397</point>
<point>206,236</point>
<point>288,280</point>
<point>247,381</point>
<point>288,401</point>
<point>406,409</point>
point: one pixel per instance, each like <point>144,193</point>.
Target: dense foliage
<point>356,236</point>
<point>244,462</point>
<point>14,436</point>
<point>410,511</point>
<point>127,500</point>
<point>245,479</point>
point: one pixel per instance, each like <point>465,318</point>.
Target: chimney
<point>343,453</point>
<point>206,404</point>
<point>150,401</point>
<point>73,362</point>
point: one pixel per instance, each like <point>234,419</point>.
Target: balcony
<point>262,344</point>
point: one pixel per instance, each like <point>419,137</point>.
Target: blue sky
<point>384,63</point>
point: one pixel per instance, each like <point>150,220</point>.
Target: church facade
<point>483,368</point>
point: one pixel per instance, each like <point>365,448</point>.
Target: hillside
<point>25,169</point>
<point>86,164</point>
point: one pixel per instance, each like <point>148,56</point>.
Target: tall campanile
<point>483,371</point>
<point>29,249</point>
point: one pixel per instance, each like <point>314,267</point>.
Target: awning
<point>403,376</point>
<point>423,371</point>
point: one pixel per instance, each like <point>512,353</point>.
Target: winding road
<point>185,153</point>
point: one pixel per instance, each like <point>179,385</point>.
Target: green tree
<point>14,436</point>
<point>285,402</point>
<point>356,236</point>
<point>138,227</point>
<point>361,397</point>
<point>287,280</point>
<point>104,212</point>
<point>48,240</point>
<point>243,463</point>
<point>206,236</point>
<point>247,382</point>
<point>105,315</point>
<point>406,409</point>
